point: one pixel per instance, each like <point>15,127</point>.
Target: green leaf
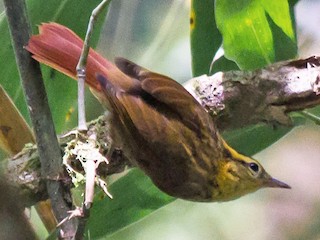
<point>134,197</point>
<point>205,39</point>
<point>312,114</point>
<point>62,92</point>
<point>256,33</point>
<point>253,139</point>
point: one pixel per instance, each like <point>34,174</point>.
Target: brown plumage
<point>166,132</point>
<point>158,124</point>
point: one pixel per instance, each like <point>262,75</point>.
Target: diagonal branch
<point>48,147</point>
<point>235,99</point>
<point>240,98</point>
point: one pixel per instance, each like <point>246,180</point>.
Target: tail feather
<point>60,48</point>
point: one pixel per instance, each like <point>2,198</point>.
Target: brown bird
<point>158,124</point>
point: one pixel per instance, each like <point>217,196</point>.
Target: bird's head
<point>239,175</point>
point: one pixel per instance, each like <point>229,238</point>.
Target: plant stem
<point>81,67</point>
<point>34,90</point>
<point>81,74</point>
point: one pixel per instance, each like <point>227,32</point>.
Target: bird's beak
<point>274,183</point>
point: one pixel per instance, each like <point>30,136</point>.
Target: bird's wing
<point>147,128</point>
<point>137,117</point>
<point>172,94</point>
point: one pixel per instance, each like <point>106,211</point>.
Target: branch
<point>81,66</point>
<point>13,222</point>
<point>24,168</point>
<point>81,74</point>
<point>235,99</point>
<point>240,98</point>
<point>48,147</point>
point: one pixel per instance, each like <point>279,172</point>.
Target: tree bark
<point>234,99</point>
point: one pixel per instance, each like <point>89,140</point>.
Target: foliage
<point>254,34</point>
<point>61,91</point>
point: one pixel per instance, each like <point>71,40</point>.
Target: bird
<point>157,123</point>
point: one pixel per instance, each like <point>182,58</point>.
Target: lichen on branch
<point>240,98</point>
<point>234,99</point>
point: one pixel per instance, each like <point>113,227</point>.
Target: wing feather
<point>172,94</point>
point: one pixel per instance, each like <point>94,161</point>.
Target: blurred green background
<point>155,34</point>
<point>161,43</point>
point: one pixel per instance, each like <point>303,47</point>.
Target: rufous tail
<point>60,48</point>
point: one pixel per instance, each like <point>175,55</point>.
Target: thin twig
<point>40,114</point>
<point>81,67</point>
<point>81,74</point>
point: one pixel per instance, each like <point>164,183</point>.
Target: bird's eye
<point>254,167</point>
